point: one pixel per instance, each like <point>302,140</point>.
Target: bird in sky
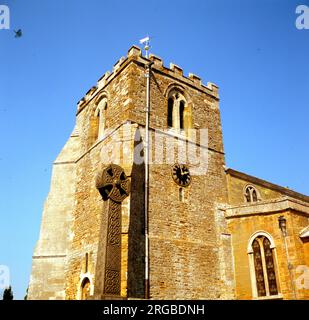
<point>18,33</point>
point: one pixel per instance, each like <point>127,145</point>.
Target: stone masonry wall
<point>183,235</point>
<point>50,254</point>
<point>242,228</point>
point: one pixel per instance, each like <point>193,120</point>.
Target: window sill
<point>177,133</point>
<point>274,297</point>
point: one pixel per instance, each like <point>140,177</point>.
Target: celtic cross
<point>114,186</point>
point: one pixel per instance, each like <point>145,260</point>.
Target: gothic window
<point>99,120</point>
<point>95,124</point>
<point>101,113</point>
<point>270,267</point>
<point>181,114</point>
<point>258,266</point>
<point>178,111</point>
<point>85,289</point>
<point>262,257</point>
<point>251,194</point>
<point>170,112</point>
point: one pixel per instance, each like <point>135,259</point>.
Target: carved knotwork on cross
<point>114,186</point>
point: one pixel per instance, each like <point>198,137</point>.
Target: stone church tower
<point>207,225</point>
<point>92,239</point>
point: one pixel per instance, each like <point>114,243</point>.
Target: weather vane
<point>146,42</point>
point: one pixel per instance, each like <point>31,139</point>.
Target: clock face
<point>181,174</point>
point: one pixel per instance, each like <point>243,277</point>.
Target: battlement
<point>135,54</point>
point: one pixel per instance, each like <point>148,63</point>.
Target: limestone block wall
<point>49,259</point>
<point>198,241</point>
<point>189,242</point>
<point>90,217</point>
<point>204,102</point>
<point>185,257</point>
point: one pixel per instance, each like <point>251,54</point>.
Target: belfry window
<point>170,112</point>
<point>178,111</point>
<point>251,194</point>
<point>100,118</point>
<point>181,114</point>
<point>263,273</point>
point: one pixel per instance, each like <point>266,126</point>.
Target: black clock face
<point>181,174</point>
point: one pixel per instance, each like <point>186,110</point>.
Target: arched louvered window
<point>178,111</point>
<point>262,256</point>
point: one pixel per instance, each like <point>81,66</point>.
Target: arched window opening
<point>254,196</point>
<point>258,265</point>
<point>170,112</point>
<point>85,292</point>
<point>247,195</point>
<point>181,114</point>
<point>263,258</point>
<point>95,124</point>
<point>98,120</point>
<point>178,111</point>
<point>251,194</point>
<point>270,267</point>
<point>102,106</point>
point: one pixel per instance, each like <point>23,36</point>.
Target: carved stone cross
<point>113,186</point>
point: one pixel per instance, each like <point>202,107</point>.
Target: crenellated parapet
<point>135,55</point>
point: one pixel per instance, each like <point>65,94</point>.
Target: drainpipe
<point>282,226</point>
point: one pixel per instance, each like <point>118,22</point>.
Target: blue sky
<point>251,49</point>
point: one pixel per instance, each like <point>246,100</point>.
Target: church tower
<point>93,231</point>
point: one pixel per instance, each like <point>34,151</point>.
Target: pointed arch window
<point>170,112</point>
<point>178,111</point>
<point>100,115</point>
<point>263,267</point>
<point>97,121</point>
<point>181,114</point>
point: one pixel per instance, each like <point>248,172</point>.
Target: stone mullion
<point>176,119</point>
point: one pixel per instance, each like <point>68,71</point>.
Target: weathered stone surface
<point>198,236</point>
<point>50,254</point>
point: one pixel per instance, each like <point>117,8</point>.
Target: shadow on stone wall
<point>136,250</point>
